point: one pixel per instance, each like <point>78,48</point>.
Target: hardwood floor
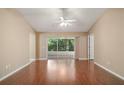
<point>62,72</point>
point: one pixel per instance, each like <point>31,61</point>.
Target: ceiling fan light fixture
<point>63,24</point>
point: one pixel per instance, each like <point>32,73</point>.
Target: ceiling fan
<point>65,22</point>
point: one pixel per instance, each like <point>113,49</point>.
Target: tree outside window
<point>63,44</point>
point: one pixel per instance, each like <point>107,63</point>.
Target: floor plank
<point>56,72</point>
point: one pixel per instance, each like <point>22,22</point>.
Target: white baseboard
<point>42,59</point>
<point>11,73</point>
<point>31,60</point>
<point>119,76</point>
<point>83,58</point>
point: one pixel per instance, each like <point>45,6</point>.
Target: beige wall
<point>16,41</point>
<point>109,40</point>
<point>81,43</point>
<point>32,45</point>
<point>37,45</point>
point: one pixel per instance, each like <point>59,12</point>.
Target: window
<point>60,44</point>
<point>52,44</point>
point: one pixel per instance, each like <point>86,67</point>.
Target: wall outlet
<point>8,66</point>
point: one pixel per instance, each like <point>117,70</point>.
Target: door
<point>91,46</point>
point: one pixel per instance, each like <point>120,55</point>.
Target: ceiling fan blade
<point>70,20</point>
<point>61,19</point>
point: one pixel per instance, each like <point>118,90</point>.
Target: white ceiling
<point>46,19</point>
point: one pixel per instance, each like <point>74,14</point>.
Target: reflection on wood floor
<point>64,71</point>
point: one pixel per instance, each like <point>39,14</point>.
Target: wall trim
<point>83,58</point>
<point>119,76</point>
<point>31,60</point>
<point>42,59</point>
<point>13,72</point>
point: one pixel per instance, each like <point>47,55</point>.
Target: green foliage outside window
<point>52,45</point>
<point>63,44</point>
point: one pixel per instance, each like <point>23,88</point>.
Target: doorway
<point>61,48</point>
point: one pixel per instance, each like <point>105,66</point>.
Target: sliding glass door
<point>61,47</point>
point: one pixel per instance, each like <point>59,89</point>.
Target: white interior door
<point>91,46</point>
